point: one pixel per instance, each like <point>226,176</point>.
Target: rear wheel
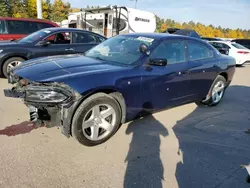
<point>216,92</point>
<point>11,63</point>
<point>96,119</point>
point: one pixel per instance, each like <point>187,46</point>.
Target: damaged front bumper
<point>52,104</point>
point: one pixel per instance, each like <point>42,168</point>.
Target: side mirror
<point>158,62</point>
<point>44,43</point>
<point>143,48</point>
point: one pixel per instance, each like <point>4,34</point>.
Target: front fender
<point>6,55</point>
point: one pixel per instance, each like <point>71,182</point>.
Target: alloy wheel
<point>99,122</point>
<point>12,65</point>
<point>218,91</point>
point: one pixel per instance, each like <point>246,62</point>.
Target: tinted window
<point>86,38</point>
<point>44,25</point>
<point>59,38</point>
<point>101,39</point>
<point>2,27</point>
<point>21,27</point>
<point>198,51</point>
<point>216,45</point>
<point>173,51</point>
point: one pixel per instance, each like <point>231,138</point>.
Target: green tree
<point>4,8</point>
<point>60,11</point>
<point>201,29</point>
<point>32,9</point>
<point>19,8</point>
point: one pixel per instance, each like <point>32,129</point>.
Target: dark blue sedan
<point>119,80</point>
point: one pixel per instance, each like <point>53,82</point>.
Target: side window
<point>31,27</point>
<point>83,38</point>
<point>59,38</point>
<point>198,51</point>
<point>21,27</point>
<point>101,39</point>
<point>225,46</point>
<point>44,25</point>
<point>216,45</point>
<point>2,27</point>
<point>172,50</point>
<point>17,27</point>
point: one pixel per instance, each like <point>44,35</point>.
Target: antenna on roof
<point>135,2</point>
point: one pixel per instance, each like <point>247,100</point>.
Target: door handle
<point>183,72</point>
<point>69,49</point>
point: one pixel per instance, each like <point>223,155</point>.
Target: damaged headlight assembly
<point>39,94</point>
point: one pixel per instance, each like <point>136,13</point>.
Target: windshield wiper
<point>99,58</point>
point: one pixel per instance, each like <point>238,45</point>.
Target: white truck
<point>112,20</point>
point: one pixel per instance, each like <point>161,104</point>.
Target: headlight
<point>1,51</point>
<point>39,94</point>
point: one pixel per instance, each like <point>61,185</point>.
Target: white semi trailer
<point>113,20</point>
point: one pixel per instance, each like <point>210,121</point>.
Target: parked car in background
<point>211,39</point>
<point>46,42</point>
<point>119,80</point>
<point>16,28</point>
<point>184,32</point>
<point>243,42</point>
<point>237,51</point>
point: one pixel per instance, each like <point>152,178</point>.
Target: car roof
<point>28,19</point>
<point>55,29</point>
<point>160,36</point>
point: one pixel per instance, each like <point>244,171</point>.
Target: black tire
<point>83,109</point>
<point>7,62</point>
<point>209,101</point>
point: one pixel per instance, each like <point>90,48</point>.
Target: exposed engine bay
<point>50,104</point>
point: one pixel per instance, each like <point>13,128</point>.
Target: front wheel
<point>96,119</point>
<point>216,92</point>
<point>11,63</point>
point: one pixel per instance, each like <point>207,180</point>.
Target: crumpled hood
<point>57,68</point>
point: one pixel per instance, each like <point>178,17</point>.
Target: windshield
<point>239,46</point>
<point>35,36</point>
<point>120,49</point>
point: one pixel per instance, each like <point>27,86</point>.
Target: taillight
<point>242,52</point>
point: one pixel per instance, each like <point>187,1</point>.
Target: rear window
<point>2,27</point>
<point>239,46</point>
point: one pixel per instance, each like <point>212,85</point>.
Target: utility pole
<point>39,9</point>
<point>135,2</point>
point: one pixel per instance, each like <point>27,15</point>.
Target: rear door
<point>83,41</point>
<point>203,68</point>
<point>60,44</point>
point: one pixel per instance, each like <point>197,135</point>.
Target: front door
<point>60,44</point>
<point>84,41</point>
<point>167,85</point>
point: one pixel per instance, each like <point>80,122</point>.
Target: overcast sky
<point>227,13</point>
